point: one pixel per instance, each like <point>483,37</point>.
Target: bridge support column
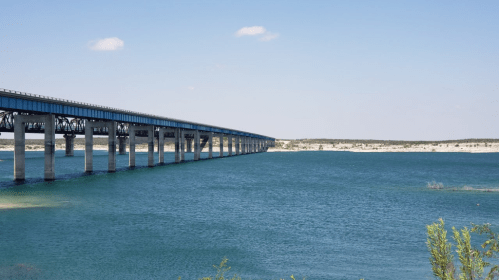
<point>122,145</point>
<point>161,145</point>
<point>237,145</point>
<point>20,141</point>
<point>221,154</point>
<point>177,145</point>
<point>189,145</point>
<point>150,146</point>
<point>182,145</point>
<point>70,144</point>
<point>197,145</point>
<point>49,167</point>
<point>131,153</point>
<point>19,148</point>
<point>229,144</point>
<point>132,129</point>
<point>89,144</point>
<point>111,147</point>
<point>210,145</point>
<point>242,145</point>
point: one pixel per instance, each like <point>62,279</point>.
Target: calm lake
<point>319,215</point>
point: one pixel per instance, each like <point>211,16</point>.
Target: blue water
<point>320,215</point>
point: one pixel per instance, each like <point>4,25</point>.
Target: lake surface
<point>320,215</point>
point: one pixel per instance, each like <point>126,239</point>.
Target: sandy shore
<point>306,145</point>
<point>452,147</point>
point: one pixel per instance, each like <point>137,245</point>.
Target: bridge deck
<point>32,103</point>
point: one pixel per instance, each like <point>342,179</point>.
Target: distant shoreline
<point>377,146</point>
<point>282,145</point>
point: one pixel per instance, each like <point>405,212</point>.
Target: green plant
<point>222,268</point>
<point>472,263</point>
<point>440,251</point>
<point>491,245</point>
<point>471,259</point>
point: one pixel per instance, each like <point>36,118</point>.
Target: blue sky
<point>399,70</point>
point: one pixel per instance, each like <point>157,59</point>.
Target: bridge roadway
<point>31,113</point>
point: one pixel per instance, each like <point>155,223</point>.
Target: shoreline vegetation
<point>352,145</point>
<point>296,145</point>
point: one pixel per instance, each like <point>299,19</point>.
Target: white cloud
<point>106,44</point>
<point>253,30</point>
<point>257,30</point>
<point>268,36</point>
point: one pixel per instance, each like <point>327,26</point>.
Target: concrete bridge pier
<point>229,144</point>
<point>150,146</point>
<point>197,145</point>
<point>182,145</point>
<point>111,147</point>
<point>237,145</point>
<point>177,144</point>
<point>49,168</point>
<point>221,145</point>
<point>242,145</point>
<point>131,153</point>
<point>161,145</point>
<point>70,144</point>
<point>189,145</point>
<point>210,145</point>
<point>20,148</point>
<point>132,129</point>
<point>89,144</point>
<point>122,145</point>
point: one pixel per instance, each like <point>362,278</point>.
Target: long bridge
<point>30,113</point>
